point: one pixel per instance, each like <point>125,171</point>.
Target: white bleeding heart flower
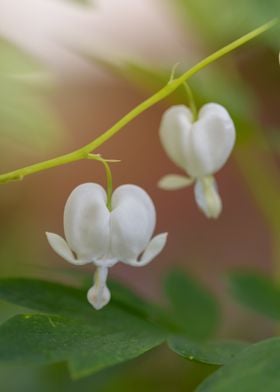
<point>200,148</point>
<point>95,234</point>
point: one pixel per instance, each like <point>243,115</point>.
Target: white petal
<point>174,181</point>
<point>99,295</point>
<point>210,142</point>
<point>61,247</point>
<point>207,197</point>
<point>87,221</point>
<point>133,220</point>
<point>96,300</point>
<point>175,125</point>
<point>154,247</point>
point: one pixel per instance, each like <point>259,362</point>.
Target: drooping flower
<point>200,147</point>
<point>95,234</point>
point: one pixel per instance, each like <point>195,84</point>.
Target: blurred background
<point>68,71</point>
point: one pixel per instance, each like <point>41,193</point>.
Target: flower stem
<point>108,176</point>
<point>191,101</point>
<point>169,88</point>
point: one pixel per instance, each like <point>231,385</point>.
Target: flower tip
<point>163,237</point>
<point>154,248</point>
<point>215,210</point>
<point>208,198</point>
<point>48,234</point>
<point>98,299</point>
<point>60,246</point>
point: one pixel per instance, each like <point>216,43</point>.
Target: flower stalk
<point>191,101</point>
<point>169,88</point>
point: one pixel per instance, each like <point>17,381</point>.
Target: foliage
<point>257,292</point>
<point>64,327</point>
<point>255,369</point>
<point>213,352</point>
<point>185,294</point>
<point>59,326</point>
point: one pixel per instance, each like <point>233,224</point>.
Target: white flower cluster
<point>104,236</point>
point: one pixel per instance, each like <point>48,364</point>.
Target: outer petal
<point>87,222</point>
<point>154,247</point>
<point>175,126</point>
<point>133,220</point>
<point>174,181</point>
<point>61,247</point>
<point>211,141</point>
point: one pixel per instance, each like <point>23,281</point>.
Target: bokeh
<point>68,71</point>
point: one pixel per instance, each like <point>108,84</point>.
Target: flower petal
<point>61,247</point>
<point>99,295</point>
<point>175,126</point>
<point>174,181</point>
<point>154,247</point>
<point>210,141</point>
<point>96,300</point>
<point>133,220</point>
<point>87,221</point>
<point>207,197</point>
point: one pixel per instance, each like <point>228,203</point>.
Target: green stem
<point>108,176</point>
<point>191,101</point>
<point>171,86</point>
<point>19,174</point>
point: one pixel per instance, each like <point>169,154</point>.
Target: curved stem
<point>171,86</point>
<point>19,174</point>
<point>191,101</point>
<point>108,176</point>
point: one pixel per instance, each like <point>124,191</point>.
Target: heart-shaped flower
<point>200,148</point>
<point>95,234</point>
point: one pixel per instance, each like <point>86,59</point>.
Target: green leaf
<point>68,328</point>
<point>212,353</point>
<point>125,298</point>
<point>192,306</point>
<point>25,116</point>
<point>87,347</point>
<point>45,297</point>
<point>256,369</point>
<point>257,292</point>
